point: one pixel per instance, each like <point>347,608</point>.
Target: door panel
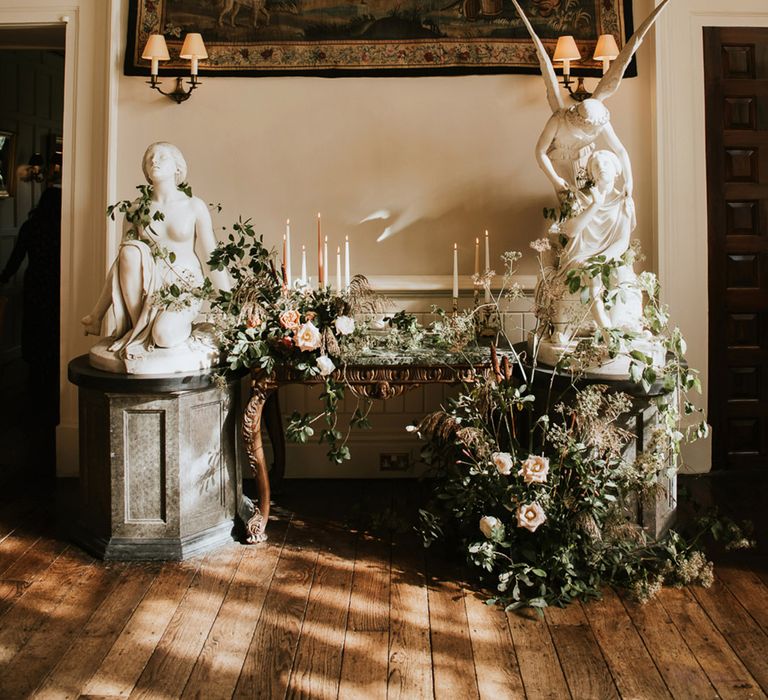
<point>736,70</point>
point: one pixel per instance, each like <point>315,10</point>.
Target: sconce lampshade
<point>193,47</point>
<point>566,50</point>
<point>156,48</point>
<point>606,48</point>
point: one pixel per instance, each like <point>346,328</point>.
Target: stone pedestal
<point>655,515</point>
<point>159,476</point>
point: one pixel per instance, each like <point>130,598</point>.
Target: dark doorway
<point>31,117</point>
<point>736,70</point>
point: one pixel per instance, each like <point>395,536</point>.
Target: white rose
<point>530,516</point>
<point>345,325</point>
<point>325,365</point>
<point>534,469</point>
<point>307,337</point>
<point>492,527</point>
<point>503,462</point>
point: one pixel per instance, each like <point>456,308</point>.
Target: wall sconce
<point>156,50</point>
<point>566,51</point>
<point>33,171</point>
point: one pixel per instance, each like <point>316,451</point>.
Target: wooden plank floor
<point>326,609</point>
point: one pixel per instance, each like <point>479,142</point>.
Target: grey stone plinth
<point>159,476</point>
<point>657,513</point>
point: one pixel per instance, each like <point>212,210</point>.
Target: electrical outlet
<point>394,461</point>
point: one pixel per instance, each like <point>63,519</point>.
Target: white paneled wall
<point>388,418</point>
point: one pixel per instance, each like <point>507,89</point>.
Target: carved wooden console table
<point>371,376</point>
<point>384,376</point>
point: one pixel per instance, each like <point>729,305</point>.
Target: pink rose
<point>307,337</point>
<point>503,462</point>
<point>530,516</point>
<point>534,469</point>
<point>290,319</point>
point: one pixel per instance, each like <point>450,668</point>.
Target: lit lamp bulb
<point>155,50</point>
<point>566,51</point>
<point>193,49</point>
<point>606,50</point>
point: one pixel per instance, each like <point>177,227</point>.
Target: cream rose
<point>345,325</point>
<point>503,462</point>
<point>307,337</point>
<point>325,365</point>
<point>534,469</point>
<point>530,516</point>
<point>290,319</point>
<point>492,527</point>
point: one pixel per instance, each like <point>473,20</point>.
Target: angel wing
<point>609,83</point>
<point>547,71</point>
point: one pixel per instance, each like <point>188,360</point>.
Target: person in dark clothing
<point>39,241</point>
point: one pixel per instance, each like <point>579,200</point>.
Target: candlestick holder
<point>455,306</point>
<point>487,322</point>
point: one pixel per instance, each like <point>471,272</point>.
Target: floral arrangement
<point>265,325</point>
<point>534,484</point>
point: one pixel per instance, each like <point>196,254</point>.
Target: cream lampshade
<point>606,50</point>
<point>193,48</point>
<point>155,50</point>
<point>566,51</point>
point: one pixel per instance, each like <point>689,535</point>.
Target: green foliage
<point>266,326</point>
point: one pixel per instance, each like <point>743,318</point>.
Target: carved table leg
<point>260,391</point>
<point>274,422</point>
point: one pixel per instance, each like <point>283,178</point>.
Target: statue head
<point>590,114</point>
<point>603,166</point>
<point>173,152</point>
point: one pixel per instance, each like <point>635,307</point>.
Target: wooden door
<point>736,70</point>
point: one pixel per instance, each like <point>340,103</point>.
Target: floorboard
<point>364,665</point>
<point>220,662</point>
<point>80,662</point>
<point>540,669</point>
<point>55,635</point>
<point>496,667</point>
<point>632,667</point>
<point>584,667</point>
<point>740,630</point>
<point>336,606</point>
<point>748,588</point>
<point>124,663</point>
<point>169,667</point>
<point>269,659</point>
<point>410,654</point>
<point>725,671</point>
<point>678,667</point>
<point>453,663</point>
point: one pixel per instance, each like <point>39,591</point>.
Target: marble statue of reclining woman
<point>169,252</point>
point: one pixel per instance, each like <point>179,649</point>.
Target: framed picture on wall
<point>7,163</point>
<point>369,37</point>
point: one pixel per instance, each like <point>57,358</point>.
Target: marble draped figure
<point>578,145</point>
<point>150,337</point>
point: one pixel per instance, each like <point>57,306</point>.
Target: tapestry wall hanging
<point>369,37</point>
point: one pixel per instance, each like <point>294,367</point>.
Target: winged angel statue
<point>589,168</point>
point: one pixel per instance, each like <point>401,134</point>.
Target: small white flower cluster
<point>541,245</point>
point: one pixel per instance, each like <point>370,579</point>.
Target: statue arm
<point>205,243</point>
<point>618,148</point>
<point>578,223</point>
<point>542,146</point>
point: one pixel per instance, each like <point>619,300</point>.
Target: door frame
<point>91,69</point>
<point>681,174</point>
